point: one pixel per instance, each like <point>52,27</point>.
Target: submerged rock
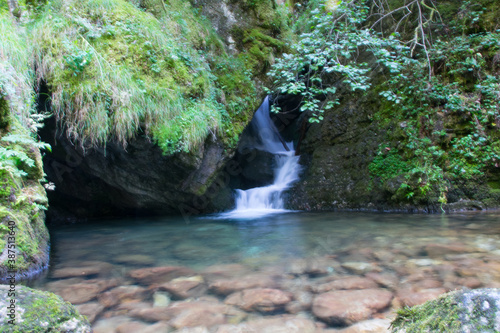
<point>159,274</point>
<point>461,311</point>
<point>229,286</point>
<point>260,299</point>
<point>346,307</point>
<point>39,311</point>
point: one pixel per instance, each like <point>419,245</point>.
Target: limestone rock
<point>40,311</point>
<point>346,307</point>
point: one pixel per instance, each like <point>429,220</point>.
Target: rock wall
<point>110,180</point>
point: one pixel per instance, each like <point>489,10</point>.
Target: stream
<point>173,274</point>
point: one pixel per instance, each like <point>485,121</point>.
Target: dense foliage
<point>439,80</point>
<point>116,69</point>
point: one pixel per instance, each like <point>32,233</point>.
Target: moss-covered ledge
<point>458,311</point>
<point>38,311</point>
<point>22,197</point>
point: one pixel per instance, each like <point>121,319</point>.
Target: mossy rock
<point>39,311</point>
<point>458,311</point>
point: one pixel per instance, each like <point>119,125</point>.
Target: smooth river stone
<point>185,287</point>
<point>190,314</point>
<point>360,268</point>
<point>229,286</point>
<point>282,324</point>
<point>138,327</point>
<point>411,297</point>
<point>158,275</point>
<point>440,250</point>
<point>387,280</point>
<point>346,283</point>
<point>88,290</point>
<point>260,299</point>
<point>369,326</point>
<point>70,272</point>
<point>346,307</point>
<point>123,294</point>
<point>90,310</point>
<point>224,271</point>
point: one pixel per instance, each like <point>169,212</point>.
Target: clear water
<point>273,240</point>
<point>395,244</point>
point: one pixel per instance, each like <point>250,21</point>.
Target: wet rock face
<point>336,154</point>
<point>39,311</point>
<point>116,181</point>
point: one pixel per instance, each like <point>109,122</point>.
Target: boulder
<point>39,311</point>
<point>346,307</point>
<point>458,311</point>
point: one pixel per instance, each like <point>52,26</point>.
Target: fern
<point>27,140</point>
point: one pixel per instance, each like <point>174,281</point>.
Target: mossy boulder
<point>458,311</point>
<point>38,311</point>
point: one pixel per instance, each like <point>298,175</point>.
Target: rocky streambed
<point>287,273</point>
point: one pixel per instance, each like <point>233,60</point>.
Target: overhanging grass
<point>113,68</point>
<point>16,74</point>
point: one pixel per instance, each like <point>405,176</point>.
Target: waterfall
<point>260,201</point>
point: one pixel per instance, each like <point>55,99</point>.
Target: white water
<point>260,201</point>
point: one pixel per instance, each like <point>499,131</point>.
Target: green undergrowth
<point>444,128</point>
<point>22,198</point>
<point>118,68</point>
<point>429,81</point>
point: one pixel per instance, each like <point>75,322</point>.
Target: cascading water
<point>260,201</point>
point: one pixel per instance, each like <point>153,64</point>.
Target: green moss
<point>457,311</point>
<point>440,315</point>
<point>115,70</point>
<point>39,312</point>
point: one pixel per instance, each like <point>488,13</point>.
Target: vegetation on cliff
<point>434,65</point>
<point>22,198</point>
